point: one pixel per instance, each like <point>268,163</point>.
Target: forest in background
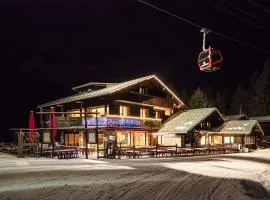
<point>252,100</point>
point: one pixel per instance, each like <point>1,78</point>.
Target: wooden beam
<point>42,113</point>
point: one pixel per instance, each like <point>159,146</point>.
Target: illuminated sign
<point>111,121</point>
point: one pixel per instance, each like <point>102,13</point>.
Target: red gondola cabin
<point>209,60</point>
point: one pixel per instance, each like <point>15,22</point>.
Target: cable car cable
<point>199,26</point>
<point>246,13</point>
<point>237,16</point>
<point>258,6</point>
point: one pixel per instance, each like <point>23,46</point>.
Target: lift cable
<point>199,26</point>
<point>237,16</point>
<point>258,6</point>
<point>247,13</point>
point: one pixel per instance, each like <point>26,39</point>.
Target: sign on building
<point>46,137</point>
<point>92,138</point>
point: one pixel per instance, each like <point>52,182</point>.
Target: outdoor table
<point>132,153</point>
<point>157,151</point>
<point>188,150</point>
<point>199,150</point>
<point>67,153</point>
<point>171,150</point>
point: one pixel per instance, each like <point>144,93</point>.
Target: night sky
<point>50,46</point>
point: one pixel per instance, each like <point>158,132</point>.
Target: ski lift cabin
<point>209,60</point>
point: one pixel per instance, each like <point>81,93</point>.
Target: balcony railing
<point>107,121</point>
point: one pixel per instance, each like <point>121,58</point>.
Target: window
<point>124,110</point>
<point>158,115</point>
<point>168,111</point>
<point>76,113</point>
<point>123,138</point>
<point>203,139</point>
<point>141,90</point>
<point>144,112</point>
<point>139,139</point>
<point>228,139</point>
<point>99,110</point>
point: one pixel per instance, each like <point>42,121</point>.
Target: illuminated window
<point>168,111</point>
<point>217,139</point>
<point>158,115</point>
<point>139,139</point>
<point>208,124</point>
<point>141,90</point>
<point>228,139</point>
<point>144,112</point>
<point>123,138</point>
<point>203,140</point>
<point>124,110</point>
<point>76,113</point>
<point>100,110</point>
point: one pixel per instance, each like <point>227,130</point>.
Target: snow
<point>238,176</point>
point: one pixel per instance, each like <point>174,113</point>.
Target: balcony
<point>108,121</point>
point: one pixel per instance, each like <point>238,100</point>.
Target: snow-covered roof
<point>235,117</point>
<point>240,127</point>
<point>261,118</point>
<point>107,91</point>
<point>187,120</point>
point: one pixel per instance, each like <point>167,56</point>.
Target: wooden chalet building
<point>206,126</point>
<point>129,112</point>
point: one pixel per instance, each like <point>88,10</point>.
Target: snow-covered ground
<point>231,176</point>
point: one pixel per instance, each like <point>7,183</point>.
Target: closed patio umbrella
<point>31,126</point>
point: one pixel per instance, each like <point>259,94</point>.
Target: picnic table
<point>67,153</point>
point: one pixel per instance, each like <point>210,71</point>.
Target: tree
<point>211,101</point>
<point>221,101</point>
<point>198,99</point>
<point>260,99</point>
<point>239,101</point>
<point>184,95</point>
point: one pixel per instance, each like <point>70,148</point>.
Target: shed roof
<point>107,91</point>
<point>235,117</point>
<point>240,127</point>
<point>187,120</point>
<point>261,118</point>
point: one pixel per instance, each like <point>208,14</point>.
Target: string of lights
<point>199,26</point>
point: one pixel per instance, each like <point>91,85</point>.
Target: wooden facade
<point>128,112</point>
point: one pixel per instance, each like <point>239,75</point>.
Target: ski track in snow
<point>204,178</point>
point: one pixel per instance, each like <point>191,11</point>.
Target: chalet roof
<point>235,117</point>
<point>261,118</point>
<point>240,127</point>
<point>92,84</point>
<point>113,88</point>
<point>187,120</point>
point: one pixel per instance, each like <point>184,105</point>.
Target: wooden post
<point>52,142</point>
<point>20,143</point>
<point>97,137</point>
<point>156,149</point>
<point>86,134</point>
<point>41,133</point>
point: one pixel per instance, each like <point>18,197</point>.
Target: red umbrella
<point>31,126</point>
<point>52,123</point>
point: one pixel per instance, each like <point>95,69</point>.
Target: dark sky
<point>50,46</point>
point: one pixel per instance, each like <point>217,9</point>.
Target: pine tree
<point>239,101</point>
<point>221,101</point>
<point>198,99</point>
<point>211,101</point>
<point>260,100</point>
<point>184,96</point>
